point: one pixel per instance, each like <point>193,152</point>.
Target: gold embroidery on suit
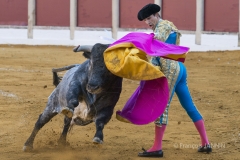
<point>170,69</point>
<point>164,29</point>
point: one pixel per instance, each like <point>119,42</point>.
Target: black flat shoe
<point>207,148</point>
<point>150,154</point>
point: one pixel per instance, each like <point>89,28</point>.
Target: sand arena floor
<point>26,83</point>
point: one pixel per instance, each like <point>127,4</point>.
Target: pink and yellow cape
<point>127,58</point>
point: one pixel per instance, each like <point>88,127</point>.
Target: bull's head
<point>99,77</point>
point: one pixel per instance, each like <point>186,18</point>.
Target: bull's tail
<point>56,78</point>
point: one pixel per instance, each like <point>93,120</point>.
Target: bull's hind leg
<point>102,118</point>
<point>44,118</point>
<point>63,137</point>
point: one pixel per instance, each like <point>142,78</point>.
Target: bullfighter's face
<point>152,20</point>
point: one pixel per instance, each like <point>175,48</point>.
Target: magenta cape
<point>153,47</point>
<point>146,104</point>
<point>150,99</point>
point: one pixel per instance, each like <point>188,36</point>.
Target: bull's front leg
<point>73,94</point>
<point>102,118</point>
<point>63,137</point>
<point>72,98</point>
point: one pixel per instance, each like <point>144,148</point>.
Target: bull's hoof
<point>67,112</point>
<point>27,148</point>
<point>97,140</point>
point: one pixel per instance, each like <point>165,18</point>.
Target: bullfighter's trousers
<point>176,73</point>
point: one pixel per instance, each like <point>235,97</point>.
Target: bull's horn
<point>83,48</point>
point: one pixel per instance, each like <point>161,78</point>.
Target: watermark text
<point>195,146</point>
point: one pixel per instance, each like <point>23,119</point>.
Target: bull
<point>87,93</point>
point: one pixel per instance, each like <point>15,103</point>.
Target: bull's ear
<point>87,54</point>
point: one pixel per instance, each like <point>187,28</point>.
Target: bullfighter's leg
<point>102,118</point>
<point>63,137</point>
<point>187,103</point>
<point>44,118</point>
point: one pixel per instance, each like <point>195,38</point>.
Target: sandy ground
<point>26,83</point>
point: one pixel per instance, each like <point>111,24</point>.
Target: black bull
<point>89,89</point>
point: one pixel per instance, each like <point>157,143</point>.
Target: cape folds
<point>127,58</point>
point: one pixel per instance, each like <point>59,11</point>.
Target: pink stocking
<point>202,131</point>
<point>159,131</point>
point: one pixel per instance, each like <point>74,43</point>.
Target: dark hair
<point>148,10</point>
